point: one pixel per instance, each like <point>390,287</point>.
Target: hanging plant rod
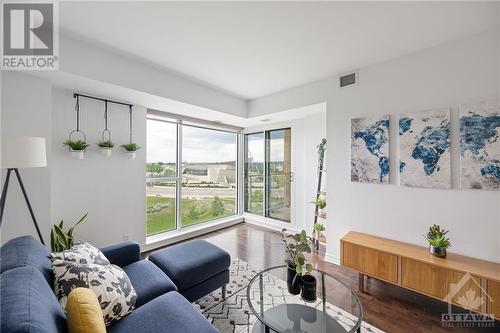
<point>76,95</point>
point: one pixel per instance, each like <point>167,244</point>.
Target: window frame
<point>245,173</point>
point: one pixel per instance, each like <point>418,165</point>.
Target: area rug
<point>233,315</point>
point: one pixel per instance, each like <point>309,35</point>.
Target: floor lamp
<point>25,152</point>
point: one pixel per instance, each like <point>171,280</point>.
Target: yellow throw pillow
<point>83,312</point>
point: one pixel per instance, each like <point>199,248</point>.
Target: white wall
<point>111,189</point>
<point>310,131</point>
<point>443,76</point>
<point>26,111</point>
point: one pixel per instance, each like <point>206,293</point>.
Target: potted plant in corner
<point>296,245</point>
<point>438,242</point>
<point>61,240</point>
<point>106,147</point>
<point>321,203</point>
<point>77,148</point>
<point>131,148</point>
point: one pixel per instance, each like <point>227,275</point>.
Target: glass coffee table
<point>336,310</point>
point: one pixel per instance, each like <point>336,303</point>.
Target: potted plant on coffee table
<point>296,245</point>
<point>438,242</point>
<point>77,148</point>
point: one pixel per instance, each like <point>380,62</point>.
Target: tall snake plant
<point>61,240</point>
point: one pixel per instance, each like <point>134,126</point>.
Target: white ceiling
<point>256,49</point>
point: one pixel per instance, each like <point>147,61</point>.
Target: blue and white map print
<point>370,150</point>
<point>424,145</point>
<point>480,145</point>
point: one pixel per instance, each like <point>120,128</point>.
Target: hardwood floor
<point>387,307</point>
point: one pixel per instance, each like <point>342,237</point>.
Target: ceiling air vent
<point>347,80</point>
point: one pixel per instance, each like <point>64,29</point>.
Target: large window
<point>268,174</point>
<point>208,174</point>
<point>161,170</point>
<point>201,188</point>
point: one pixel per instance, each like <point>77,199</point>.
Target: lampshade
<point>24,152</point>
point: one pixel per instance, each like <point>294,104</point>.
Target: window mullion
<point>178,199</point>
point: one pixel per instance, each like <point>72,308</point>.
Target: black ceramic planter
<point>438,251</point>
<point>308,288</point>
<point>293,280</point>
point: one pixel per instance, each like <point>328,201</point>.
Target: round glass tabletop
<point>336,308</point>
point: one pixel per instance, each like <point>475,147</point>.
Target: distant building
<point>217,173</point>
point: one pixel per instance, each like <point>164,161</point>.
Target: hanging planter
<point>106,145</point>
<point>77,147</point>
<point>130,148</point>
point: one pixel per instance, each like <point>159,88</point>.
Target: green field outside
<point>161,212</point>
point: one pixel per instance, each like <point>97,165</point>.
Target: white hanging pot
<point>106,151</point>
<point>131,155</point>
<point>77,154</point>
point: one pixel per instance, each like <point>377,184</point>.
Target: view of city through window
<point>207,177</point>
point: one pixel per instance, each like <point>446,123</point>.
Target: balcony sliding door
<point>268,174</point>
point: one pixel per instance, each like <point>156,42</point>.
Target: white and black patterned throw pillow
<point>112,286</point>
<point>83,253</point>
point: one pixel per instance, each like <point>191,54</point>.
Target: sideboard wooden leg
<point>361,282</point>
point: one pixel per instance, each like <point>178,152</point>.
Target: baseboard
<point>332,259</point>
<point>269,225</point>
<point>158,241</point>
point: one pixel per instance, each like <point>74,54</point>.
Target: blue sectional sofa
<point>28,303</point>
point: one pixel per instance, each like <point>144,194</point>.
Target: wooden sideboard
<point>414,268</point>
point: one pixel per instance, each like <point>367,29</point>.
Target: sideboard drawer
<point>372,262</point>
<point>494,298</point>
<point>436,281</point>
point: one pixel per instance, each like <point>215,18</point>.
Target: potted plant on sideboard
<point>438,242</point>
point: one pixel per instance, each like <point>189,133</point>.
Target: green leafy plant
<point>437,237</point>
<point>106,144</point>
<point>76,145</point>
<point>296,245</point>
<point>319,227</point>
<point>321,150</point>
<point>217,207</point>
<point>61,240</point>
<point>131,147</point>
<point>440,242</point>
<point>321,203</point>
